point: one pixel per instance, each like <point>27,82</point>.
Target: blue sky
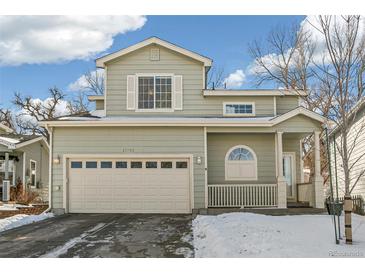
<point>223,38</point>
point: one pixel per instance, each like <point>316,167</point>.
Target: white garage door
<point>129,185</point>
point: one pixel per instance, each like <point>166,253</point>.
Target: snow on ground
<point>58,251</point>
<point>22,219</point>
<point>255,235</point>
<point>8,207</point>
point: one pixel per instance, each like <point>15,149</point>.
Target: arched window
<point>240,164</point>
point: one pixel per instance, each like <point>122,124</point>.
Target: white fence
<point>260,195</point>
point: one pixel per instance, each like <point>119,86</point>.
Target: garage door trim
<point>67,157</point>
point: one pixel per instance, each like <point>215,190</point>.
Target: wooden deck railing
<point>253,195</point>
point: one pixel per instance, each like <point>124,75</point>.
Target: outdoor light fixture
<point>57,160</point>
<point>199,160</point>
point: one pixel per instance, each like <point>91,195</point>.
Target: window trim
<point>226,162</point>
<point>172,109</point>
<point>239,114</point>
<point>30,173</point>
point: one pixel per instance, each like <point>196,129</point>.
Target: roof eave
<point>101,62</point>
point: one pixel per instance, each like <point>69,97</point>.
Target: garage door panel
<point>130,190</point>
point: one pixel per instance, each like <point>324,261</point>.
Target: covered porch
<point>260,168</point>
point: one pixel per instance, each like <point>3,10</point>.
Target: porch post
<point>280,179</point>
<point>317,193</point>
<point>6,186</point>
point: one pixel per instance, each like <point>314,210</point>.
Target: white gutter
<point>253,92</point>
<point>50,130</point>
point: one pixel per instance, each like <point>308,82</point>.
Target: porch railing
<point>260,195</point>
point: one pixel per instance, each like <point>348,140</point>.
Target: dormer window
<point>239,109</point>
<point>154,92</point>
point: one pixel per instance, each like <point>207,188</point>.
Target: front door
<point>289,174</point>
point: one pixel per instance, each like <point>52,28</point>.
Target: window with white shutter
<point>131,92</point>
<point>178,92</point>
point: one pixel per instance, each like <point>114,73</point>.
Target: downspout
<point>50,131</point>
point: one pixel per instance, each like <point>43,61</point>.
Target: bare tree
<point>342,73</point>
<point>94,83</point>
<point>32,111</point>
<point>215,78</point>
<point>78,104</point>
<point>285,59</point>
<point>6,118</point>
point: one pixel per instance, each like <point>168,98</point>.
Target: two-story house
<point>161,142</point>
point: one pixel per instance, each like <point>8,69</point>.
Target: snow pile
<point>255,235</point>
<point>22,219</point>
<point>10,207</point>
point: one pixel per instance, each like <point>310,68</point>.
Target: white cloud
<point>311,26</point>
<point>235,79</point>
<point>81,83</point>
<point>48,39</point>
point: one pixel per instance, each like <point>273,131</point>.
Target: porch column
<point>317,185</point>
<point>6,182</point>
<point>280,179</point>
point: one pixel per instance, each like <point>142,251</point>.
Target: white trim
<point>275,111</point>
<point>105,86</point>
<point>6,128</point>
<point>301,166</point>
<point>8,144</point>
<point>30,173</point>
<point>239,114</point>
<point>26,143</point>
<point>296,111</point>
<point>96,97</point>
<point>294,174</point>
<point>204,76</point>
<point>276,154</point>
<point>50,166</point>
<point>205,167</point>
<point>154,75</point>
<point>100,62</point>
<point>191,122</point>
<point>24,168</point>
<point>67,157</point>
<point>252,92</point>
<point>246,161</point>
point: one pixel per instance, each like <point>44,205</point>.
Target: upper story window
<point>154,92</point>
<point>239,109</point>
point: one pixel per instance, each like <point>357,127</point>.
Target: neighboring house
<point>27,158</point>
<point>161,142</point>
<point>356,146</point>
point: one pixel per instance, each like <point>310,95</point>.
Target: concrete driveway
<point>101,235</point>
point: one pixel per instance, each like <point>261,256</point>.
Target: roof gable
<point>5,128</point>
<point>100,62</point>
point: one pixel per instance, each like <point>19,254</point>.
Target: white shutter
<point>178,92</point>
<point>131,92</point>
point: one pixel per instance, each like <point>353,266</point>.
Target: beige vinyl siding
<point>194,104</point>
<point>131,140</point>
<point>299,123</point>
<point>262,144</point>
<point>358,151</point>
<point>99,104</point>
<point>286,103</point>
<point>39,153</point>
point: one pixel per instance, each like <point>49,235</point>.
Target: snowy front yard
<point>255,235</point>
<point>22,219</point>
